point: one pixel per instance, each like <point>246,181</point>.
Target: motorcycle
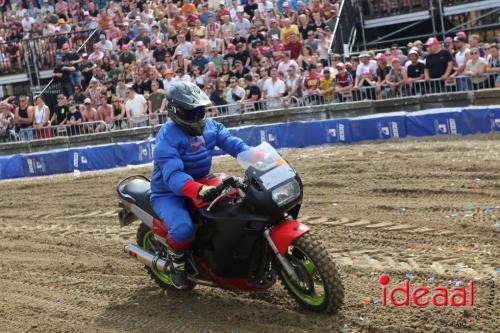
<point>245,238</point>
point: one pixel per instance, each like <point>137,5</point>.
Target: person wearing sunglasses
<point>183,154</point>
<point>476,69</point>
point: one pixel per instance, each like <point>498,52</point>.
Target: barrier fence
<point>447,121</point>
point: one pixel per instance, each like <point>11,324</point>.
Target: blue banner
<point>292,134</point>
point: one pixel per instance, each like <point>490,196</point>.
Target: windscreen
<point>263,158</point>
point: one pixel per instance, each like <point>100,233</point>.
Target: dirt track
<point>423,210</point>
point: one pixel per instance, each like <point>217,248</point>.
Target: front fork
<point>285,264</point>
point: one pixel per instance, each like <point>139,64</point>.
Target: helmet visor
<point>194,115</point>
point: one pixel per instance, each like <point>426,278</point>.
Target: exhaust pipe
<point>147,258</point>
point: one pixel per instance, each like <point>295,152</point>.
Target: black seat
<point>140,190</point>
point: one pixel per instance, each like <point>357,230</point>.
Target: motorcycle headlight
<point>286,193</point>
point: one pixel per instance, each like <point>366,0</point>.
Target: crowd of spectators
<point>459,63</point>
<point>247,55</point>
<point>239,52</point>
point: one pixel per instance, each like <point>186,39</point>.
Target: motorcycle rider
<point>182,154</point>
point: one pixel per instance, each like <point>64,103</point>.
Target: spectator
<point>311,81</point>
<point>136,109</point>
<point>344,83</point>
<point>72,59</point>
<point>474,42</point>
<point>78,96</point>
<point>41,119</point>
<point>118,113</point>
<point>157,103</point>
<point>326,87</point>
<point>494,66</point>
<point>273,90</point>
<point>382,71</point>
<point>126,57</point>
<point>293,82</point>
<point>71,124</point>
<point>234,93</point>
<point>415,72</point>
<point>23,118</point>
<point>439,64</point>
<point>6,123</point>
<point>60,110</point>
<point>199,60</point>
<point>396,78</point>
<point>218,97</point>
<point>462,55</point>
<point>476,68</point>
<point>365,85</point>
<point>286,62</point>
<point>89,114</point>
<point>62,75</point>
<point>105,115</point>
<point>307,58</point>
<point>252,92</point>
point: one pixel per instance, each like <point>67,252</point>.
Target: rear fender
<point>283,234</point>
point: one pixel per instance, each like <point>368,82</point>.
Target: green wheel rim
<point>317,295</point>
<point>164,277</point>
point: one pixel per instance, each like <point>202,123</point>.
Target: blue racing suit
<point>179,160</point>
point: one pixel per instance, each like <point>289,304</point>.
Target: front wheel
<point>319,288</point>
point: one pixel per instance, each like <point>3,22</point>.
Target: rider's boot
<point>178,268</point>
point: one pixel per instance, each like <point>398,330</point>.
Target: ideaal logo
<point>422,296</point>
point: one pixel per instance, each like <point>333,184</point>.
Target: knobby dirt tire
<point>334,290</point>
<point>142,231</point>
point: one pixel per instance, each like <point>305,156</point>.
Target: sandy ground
<point>422,210</point>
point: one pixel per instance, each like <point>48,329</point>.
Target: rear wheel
<point>319,288</point>
<point>145,238</point>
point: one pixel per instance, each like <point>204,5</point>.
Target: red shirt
<point>294,48</point>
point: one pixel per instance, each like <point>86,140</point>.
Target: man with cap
<point>27,22</point>
<point>365,63</point>
<point>87,67</point>
<point>168,79</point>
<point>243,55</point>
<point>230,54</point>
<point>438,65</point>
<point>415,69</point>
<point>199,60</point>
<point>343,83</point>
<point>89,21</point>
<point>159,53</point>
<point>326,87</point>
<point>62,75</point>
<point>65,27</point>
<point>73,59</point>
<point>181,76</point>
<point>462,55</point>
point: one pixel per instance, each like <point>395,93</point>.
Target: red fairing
<point>159,228</point>
<point>213,180</point>
<point>283,234</point>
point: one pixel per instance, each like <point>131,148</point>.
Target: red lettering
<point>405,289</point>
<point>459,292</point>
<point>384,295</point>
<point>443,295</point>
<point>418,293</point>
